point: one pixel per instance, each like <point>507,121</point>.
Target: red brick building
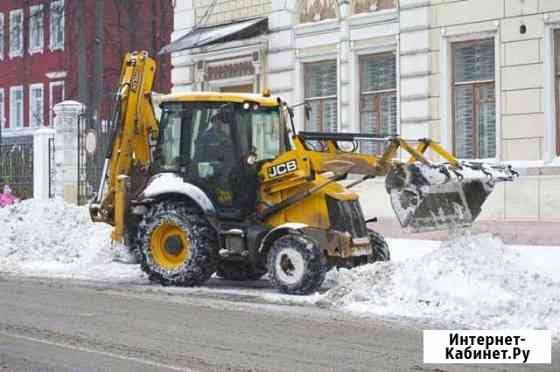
<point>41,62</point>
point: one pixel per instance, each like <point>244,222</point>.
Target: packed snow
<point>468,281</point>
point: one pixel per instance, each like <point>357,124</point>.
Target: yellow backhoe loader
<point>224,184</point>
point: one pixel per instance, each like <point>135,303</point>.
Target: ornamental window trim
<point>16,33</point>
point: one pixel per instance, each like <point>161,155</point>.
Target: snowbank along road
<point>118,317</point>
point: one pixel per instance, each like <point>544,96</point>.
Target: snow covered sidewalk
<point>469,281</point>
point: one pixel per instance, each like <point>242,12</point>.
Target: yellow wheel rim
<point>170,246</point>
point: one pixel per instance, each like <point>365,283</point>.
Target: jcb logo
<point>281,169</point>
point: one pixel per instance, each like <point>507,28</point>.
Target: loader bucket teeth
<point>429,200</point>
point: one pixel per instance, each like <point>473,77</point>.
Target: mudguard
<point>277,232</point>
<point>171,183</point>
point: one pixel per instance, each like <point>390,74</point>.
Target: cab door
<point>215,157</point>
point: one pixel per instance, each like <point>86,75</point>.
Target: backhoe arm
<point>133,127</point>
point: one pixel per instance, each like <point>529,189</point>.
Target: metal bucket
<point>425,201</point>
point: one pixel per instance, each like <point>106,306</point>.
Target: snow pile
<point>53,238</point>
<point>554,162</point>
<point>474,281</point>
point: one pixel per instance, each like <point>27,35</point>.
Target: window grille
<point>320,82</point>
<point>378,98</point>
<point>474,127</point>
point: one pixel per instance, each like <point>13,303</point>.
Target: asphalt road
<point>57,325</point>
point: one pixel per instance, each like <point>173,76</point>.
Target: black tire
<point>239,271</point>
<point>379,247</point>
<point>199,263</point>
<point>296,264</point>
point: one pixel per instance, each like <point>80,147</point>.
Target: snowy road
<point>89,311</point>
<point>51,324</point>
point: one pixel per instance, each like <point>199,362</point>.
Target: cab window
<point>263,131</point>
<point>169,152</point>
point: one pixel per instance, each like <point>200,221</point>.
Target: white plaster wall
<point>529,198</point>
<point>182,66</point>
<point>41,158</point>
<point>420,33</point>
<point>524,68</point>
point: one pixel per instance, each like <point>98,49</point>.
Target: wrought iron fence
<point>90,165</point>
<point>16,168</point>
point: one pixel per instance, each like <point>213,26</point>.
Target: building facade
<point>41,62</point>
<point>480,76</point>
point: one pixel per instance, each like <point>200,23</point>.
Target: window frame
<point>53,45</point>
<point>32,116</point>
<point>321,99</point>
<point>375,95</point>
<point>2,36</point>
<point>475,85</point>
<point>36,11</point>
<point>14,89</point>
<point>16,53</point>
<point>3,119</point>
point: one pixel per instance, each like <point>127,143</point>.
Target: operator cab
<point>219,147</point>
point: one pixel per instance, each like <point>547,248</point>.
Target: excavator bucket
<point>429,198</point>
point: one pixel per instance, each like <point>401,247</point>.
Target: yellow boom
<point>135,126</point>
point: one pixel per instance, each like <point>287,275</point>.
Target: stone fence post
<point>41,160</point>
<point>67,114</point>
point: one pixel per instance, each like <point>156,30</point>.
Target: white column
<point>279,73</point>
<point>41,156</point>
<point>183,68</point>
<point>549,96</point>
<point>66,149</point>
<point>344,56</point>
<point>415,69</point>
